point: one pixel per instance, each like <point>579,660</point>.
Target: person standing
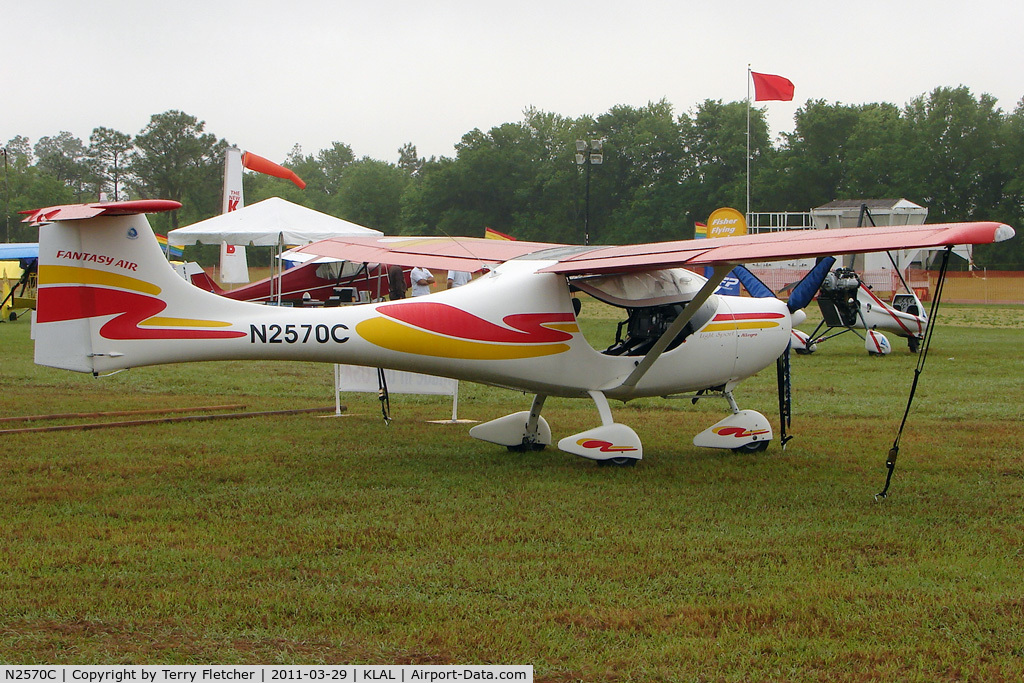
<point>421,279</point>
<point>396,283</point>
<point>457,278</point>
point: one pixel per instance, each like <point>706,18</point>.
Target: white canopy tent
<point>273,222</point>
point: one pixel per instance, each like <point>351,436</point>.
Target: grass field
<point>305,539</point>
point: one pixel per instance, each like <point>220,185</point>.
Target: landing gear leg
<point>532,441</point>
<point>522,431</point>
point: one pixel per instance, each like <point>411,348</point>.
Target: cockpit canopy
<point>653,300</point>
<point>640,290</point>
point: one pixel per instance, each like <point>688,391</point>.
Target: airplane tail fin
<point>195,274</point>
<point>105,290</point>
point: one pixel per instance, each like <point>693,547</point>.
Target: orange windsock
<point>254,162</point>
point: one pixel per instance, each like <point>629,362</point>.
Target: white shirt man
<point>421,280</point>
<point>457,278</point>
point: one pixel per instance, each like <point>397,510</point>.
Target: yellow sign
<point>726,222</point>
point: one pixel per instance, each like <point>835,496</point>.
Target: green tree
<point>714,172</point>
<point>64,157</point>
<point>409,160</point>
<point>175,159</point>
<point>332,163</point>
<point>18,151</point>
<point>876,156</point>
<point>482,187</point>
<point>645,161</point>
<point>108,155</point>
<point>953,163</point>
<point>370,194</point>
<point>814,154</point>
<point>1010,254</point>
<point>23,187</point>
<point>552,198</point>
<point>322,172</point>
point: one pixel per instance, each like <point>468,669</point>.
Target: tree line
<point>954,152</point>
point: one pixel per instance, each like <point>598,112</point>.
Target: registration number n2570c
<point>298,334</point>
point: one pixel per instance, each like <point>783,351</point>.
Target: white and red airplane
<point>108,300</point>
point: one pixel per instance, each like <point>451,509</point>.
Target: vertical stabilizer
<point>104,287</point>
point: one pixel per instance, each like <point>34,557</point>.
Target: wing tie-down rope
<point>890,461</point>
<point>385,398</point>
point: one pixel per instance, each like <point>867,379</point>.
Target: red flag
<point>254,162</point>
<point>769,87</point>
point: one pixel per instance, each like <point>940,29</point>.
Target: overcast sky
<point>376,74</point>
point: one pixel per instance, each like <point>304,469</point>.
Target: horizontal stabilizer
<point>71,212</point>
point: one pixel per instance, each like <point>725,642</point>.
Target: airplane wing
<point>444,253</point>
<point>778,246</point>
<point>471,254</point>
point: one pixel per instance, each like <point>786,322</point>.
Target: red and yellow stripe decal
<point>743,321</point>
<point>444,331</point>
<point>96,293</point>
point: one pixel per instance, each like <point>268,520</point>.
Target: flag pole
<point>747,215</point>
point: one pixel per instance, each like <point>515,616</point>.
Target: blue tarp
<point>19,251</point>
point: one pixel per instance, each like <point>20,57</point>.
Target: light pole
<point>588,158</point>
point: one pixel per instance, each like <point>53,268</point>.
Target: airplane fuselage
<point>878,315</point>
<point>514,327</point>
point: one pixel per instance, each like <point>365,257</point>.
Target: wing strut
<point>890,461</point>
<point>720,271</point>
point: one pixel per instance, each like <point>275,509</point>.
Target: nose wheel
<point>752,447</point>
<point>745,431</point>
<point>617,462</point>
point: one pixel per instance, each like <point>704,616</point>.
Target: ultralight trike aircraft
<point>108,300</point>
<point>847,304</point>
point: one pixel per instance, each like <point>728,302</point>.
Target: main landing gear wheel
<point>752,447</point>
<point>617,462</point>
